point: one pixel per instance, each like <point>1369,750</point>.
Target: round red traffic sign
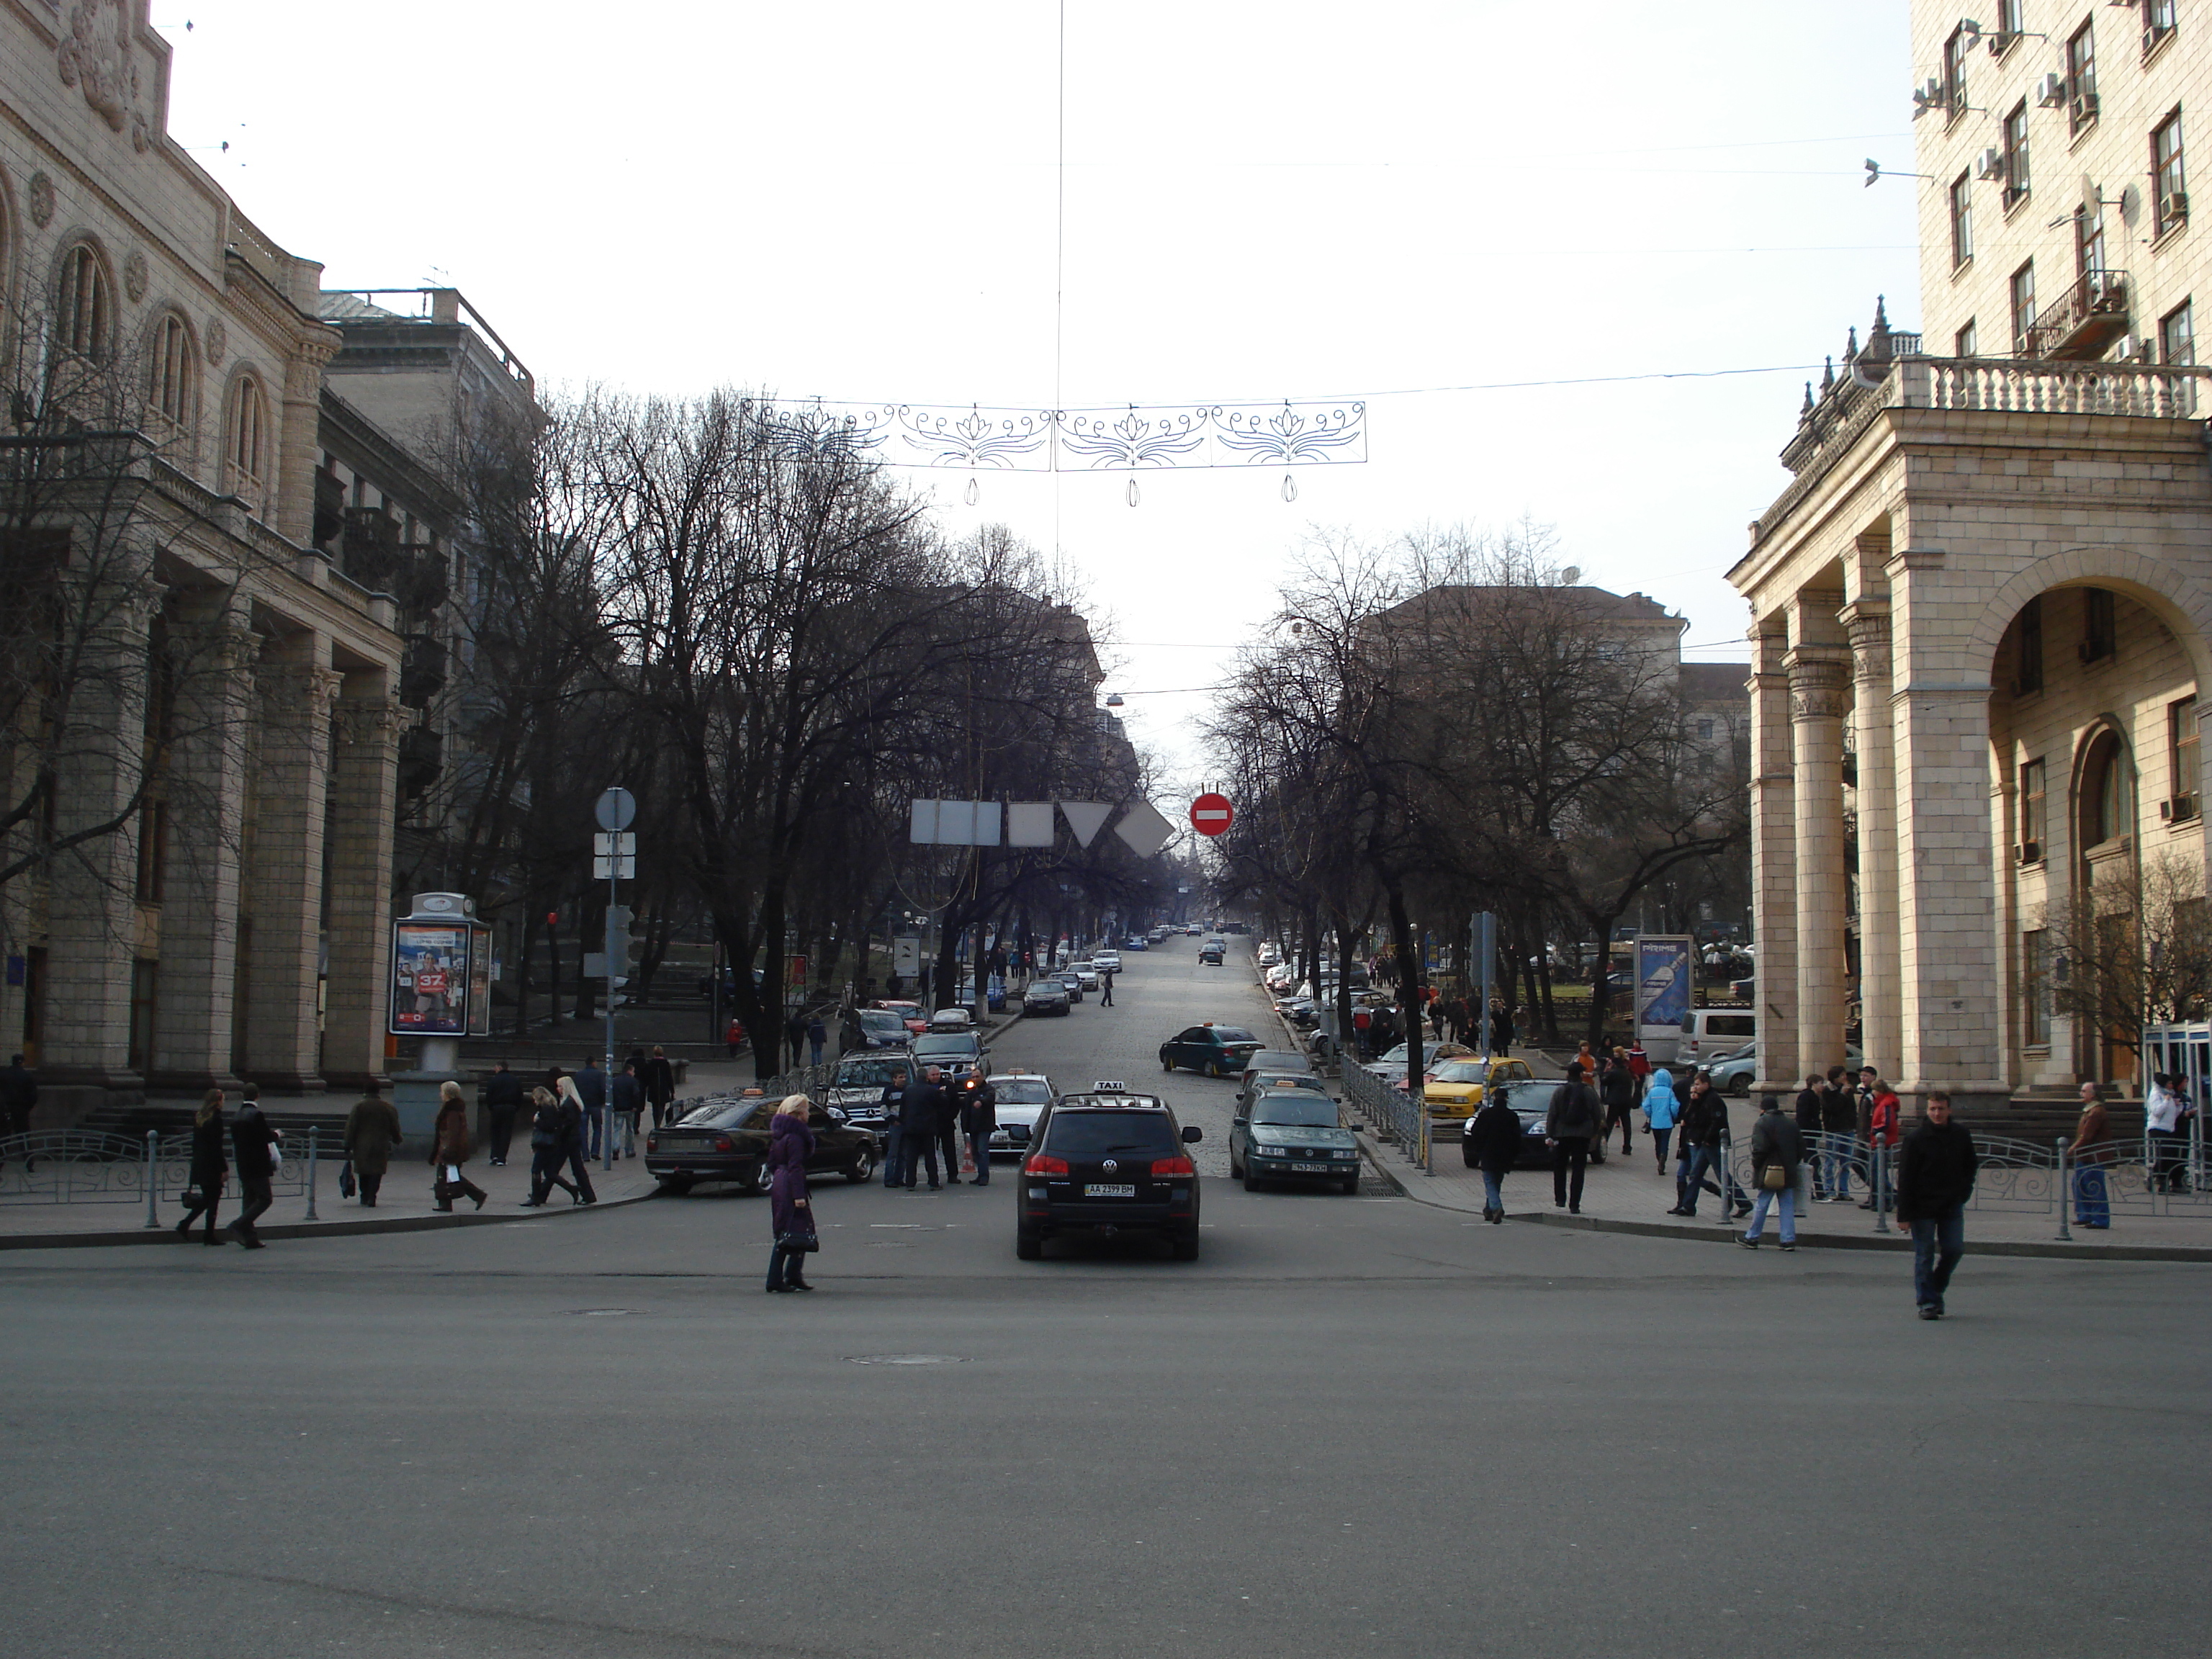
<point>1211,814</point>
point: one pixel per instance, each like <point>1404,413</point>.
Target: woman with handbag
<point>209,1168</point>
<point>791,1212</point>
<point>1777,1151</point>
<point>548,1151</point>
<point>449,1150</point>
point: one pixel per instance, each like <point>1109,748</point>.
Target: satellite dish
<point>1571,574</point>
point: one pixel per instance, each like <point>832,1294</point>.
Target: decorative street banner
<point>1130,438</point>
<point>1663,985</point>
<point>429,978</point>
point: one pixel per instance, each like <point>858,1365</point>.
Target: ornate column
<point>299,446</point>
<point>1867,620</point>
<point>1946,887</point>
<point>364,807</point>
<point>1820,677</point>
<point>1773,859</point>
<point>283,878</point>
<point>206,811</point>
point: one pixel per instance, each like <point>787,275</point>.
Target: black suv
<point>1107,1162</point>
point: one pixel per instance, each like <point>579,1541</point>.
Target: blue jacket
<point>1659,1103</point>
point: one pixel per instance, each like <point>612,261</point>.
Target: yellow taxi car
<point>1453,1088</point>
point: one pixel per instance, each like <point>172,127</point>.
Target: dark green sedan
<point>1292,1135</point>
<point>1216,1050</point>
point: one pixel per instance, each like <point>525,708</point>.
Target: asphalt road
<point>1352,1427</point>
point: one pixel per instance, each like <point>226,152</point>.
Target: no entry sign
<point>1211,814</point>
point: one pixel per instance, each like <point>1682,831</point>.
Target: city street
<point>1356,1425</point>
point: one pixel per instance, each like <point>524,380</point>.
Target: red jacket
<point>1882,1125</point>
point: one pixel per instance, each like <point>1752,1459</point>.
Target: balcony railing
<point>2081,322</point>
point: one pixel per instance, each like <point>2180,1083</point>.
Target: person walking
<point>1704,1144</point>
<point>1935,1178</point>
<point>1809,1130</point>
<point>659,1085</point>
<point>1639,1065</point>
<point>1575,1118</point>
<point>570,1099</point>
<point>1494,1142</point>
<point>1838,1129</point>
<point>626,1100</point>
<point>1618,1090</point>
<point>1501,1028</point>
<point>794,1037</point>
<point>1863,1123</point>
<point>209,1168</point>
<point>817,1038</point>
<point>591,1088</point>
<point>948,1125</point>
<point>2164,1142</point>
<point>892,1104</point>
<point>1106,987</point>
<point>372,1130</point>
<point>548,1151</point>
<point>1660,1110</point>
<point>734,1037</point>
<point>2090,1151</point>
<point>918,1113</point>
<point>19,1093</point>
<point>790,1206</point>
<point>253,1150</point>
<point>449,1151</point>
<point>1777,1151</point>
<point>1885,1114</point>
<point>502,1102</point>
<point>979,1116</point>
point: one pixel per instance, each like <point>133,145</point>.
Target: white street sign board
<point>906,955</point>
<point>954,824</point>
<point>606,844</point>
<point>1145,830</point>
<point>611,869</point>
<point>1086,818</point>
<point>617,809</point>
<point>1029,823</point>
<point>922,832</point>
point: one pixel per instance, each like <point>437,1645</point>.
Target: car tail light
<point>1164,1167</point>
<point>652,1143</point>
<point>724,1144</point>
<point>1041,1163</point>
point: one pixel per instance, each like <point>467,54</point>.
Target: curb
<point>1717,1234</point>
<point>398,1224</point>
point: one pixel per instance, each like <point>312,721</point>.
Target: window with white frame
<point>1962,219</point>
<point>172,388</point>
<point>2176,335</point>
<point>2080,78</point>
<point>247,452</point>
<point>2015,154</point>
<point>2158,24</point>
<point>83,311</point>
<point>2023,309</point>
<point>2168,182</point>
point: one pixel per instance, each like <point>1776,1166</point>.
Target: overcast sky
<point>1261,201</point>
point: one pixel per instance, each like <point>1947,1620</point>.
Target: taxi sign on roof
<point>1109,1087</point>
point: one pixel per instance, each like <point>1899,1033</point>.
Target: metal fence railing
<point>1397,1115</point>
<point>78,1166</point>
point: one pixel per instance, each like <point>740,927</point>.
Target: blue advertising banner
<point>1662,982</point>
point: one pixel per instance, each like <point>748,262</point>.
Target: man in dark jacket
<point>372,1130</point>
<point>592,1089</point>
<point>948,1126</point>
<point>659,1085</point>
<point>1704,1139</point>
<point>626,1100</point>
<point>894,1108</point>
<point>1619,1088</point>
<point>1577,1117</point>
<point>19,1093</point>
<point>1494,1140</point>
<point>503,1098</point>
<point>250,1138</point>
<point>1776,1146</point>
<point>1935,1178</point>
<point>920,1111</point>
<point>979,1116</point>
<point>1809,1130</point>
<point>1839,1130</point>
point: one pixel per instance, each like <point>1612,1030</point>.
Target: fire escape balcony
<point>2081,322</point>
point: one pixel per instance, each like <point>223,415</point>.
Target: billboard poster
<point>481,973</point>
<point>429,978</point>
<point>1662,982</point>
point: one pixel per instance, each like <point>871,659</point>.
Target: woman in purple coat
<point>790,1144</point>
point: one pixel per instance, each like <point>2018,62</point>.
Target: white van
<point>1712,1034</point>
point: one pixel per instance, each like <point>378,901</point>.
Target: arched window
<point>172,386</point>
<point>83,311</point>
<point>2107,792</point>
<point>248,441</point>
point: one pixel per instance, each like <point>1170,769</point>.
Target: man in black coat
<point>503,1098</point>
<point>1839,1121</point>
<point>894,1111</point>
<point>1494,1142</point>
<point>948,1127</point>
<point>19,1093</point>
<point>251,1139</point>
<point>1809,1130</point>
<point>920,1112</point>
<point>659,1085</point>
<point>1935,1178</point>
<point>1576,1118</point>
<point>979,1116</point>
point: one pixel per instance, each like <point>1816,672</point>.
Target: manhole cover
<point>904,1360</point>
<point>599,1313</point>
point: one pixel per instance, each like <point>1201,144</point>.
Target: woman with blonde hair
<point>449,1150</point>
<point>548,1151</point>
<point>572,1132</point>
<point>209,1168</point>
<point>791,1210</point>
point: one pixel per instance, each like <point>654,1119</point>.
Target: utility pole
<point>614,856</point>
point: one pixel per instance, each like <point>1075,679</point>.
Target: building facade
<point>235,715</point>
<point>1980,609</point>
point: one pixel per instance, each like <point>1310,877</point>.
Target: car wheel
<point>1186,1249</point>
<point>1251,1180</point>
<point>1740,1087</point>
<point>760,1177</point>
<point>675,1186</point>
<point>1028,1246</point>
<point>1166,1065</point>
<point>861,1166</point>
<point>1350,1187</point>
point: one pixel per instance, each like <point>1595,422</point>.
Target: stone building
<point>241,725</point>
<point>1980,608</point>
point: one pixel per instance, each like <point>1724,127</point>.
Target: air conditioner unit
<point>2083,109</point>
<point>2173,208</point>
<point>2180,810</point>
<point>2050,91</point>
<point>1990,164</point>
<point>2030,852</point>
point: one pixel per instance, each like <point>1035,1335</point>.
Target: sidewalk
<point>404,1206</point>
<point>1627,1195</point>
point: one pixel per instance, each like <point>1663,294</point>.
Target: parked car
<point>952,1019</point>
<point>1737,1073</point>
<point>880,1028</point>
<point>1391,1066</point>
<point>1022,1094</point>
<point>1707,1032</point>
<point>1044,996</point>
<point>1215,1049</point>
<point>1281,1062</point>
<point>1071,982</point>
<point>1086,976</point>
<point>1107,1162</point>
<point>955,1052</point>
<point>1531,1102</point>
<point>857,1090</point>
<point>1292,1135</point>
<point>1454,1087</point>
<point>910,1012</point>
<point>727,1141</point>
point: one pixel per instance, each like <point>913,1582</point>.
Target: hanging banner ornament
<point>1210,814</point>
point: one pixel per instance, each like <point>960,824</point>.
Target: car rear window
<point>730,1114</point>
<point>1085,1133</point>
<point>1732,1025</point>
<point>1460,1071</point>
<point>945,1043</point>
<point>867,1073</point>
<point>1022,1091</point>
<point>1234,1034</point>
<point>1296,1107</point>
